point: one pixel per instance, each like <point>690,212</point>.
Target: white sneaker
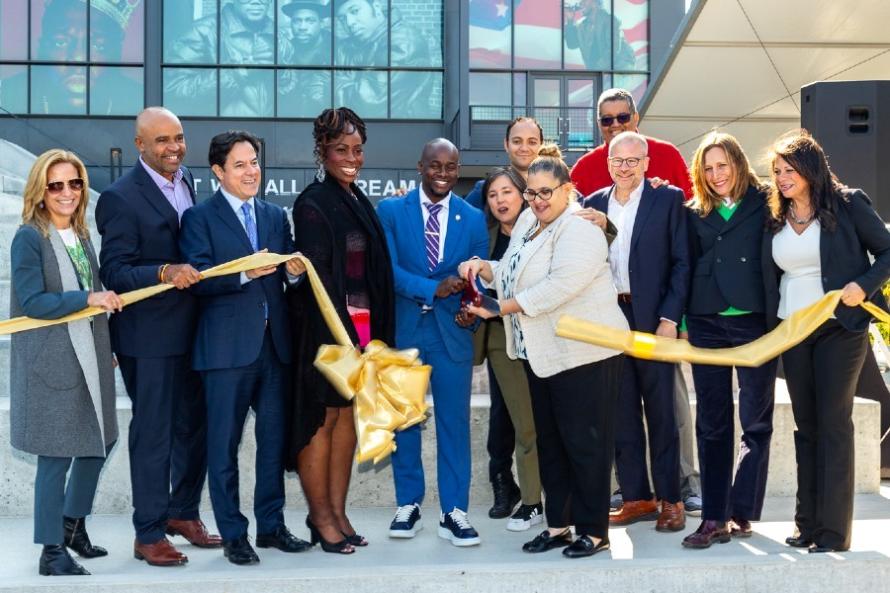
<point>454,526</point>
<point>526,516</point>
<point>406,523</point>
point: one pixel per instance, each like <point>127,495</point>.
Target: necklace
<point>792,214</point>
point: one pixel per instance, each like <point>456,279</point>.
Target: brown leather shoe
<point>672,517</point>
<point>194,531</point>
<point>634,510</point>
<point>709,532</point>
<point>160,553</point>
<point>740,527</point>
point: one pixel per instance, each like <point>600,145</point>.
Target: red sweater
<point>591,172</point>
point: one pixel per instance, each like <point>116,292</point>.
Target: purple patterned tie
<point>431,235</point>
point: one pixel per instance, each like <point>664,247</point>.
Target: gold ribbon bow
<point>786,335</point>
<point>389,386</point>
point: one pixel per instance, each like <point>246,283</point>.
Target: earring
<point>320,174</point>
<point>42,206</point>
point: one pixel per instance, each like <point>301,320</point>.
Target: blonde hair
<point>550,149</point>
<point>706,199</point>
<point>34,210</point>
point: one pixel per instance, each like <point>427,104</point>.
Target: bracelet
<point>161,271</point>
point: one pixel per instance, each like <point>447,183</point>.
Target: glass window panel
<point>520,83</point>
<point>59,90</point>
<point>59,34</point>
<point>116,90</point>
<point>416,33</point>
<point>14,89</point>
<point>303,93</point>
<point>547,92</point>
<point>588,27</point>
<point>635,83</point>
<point>304,33</point>
<point>247,32</point>
<point>246,92</point>
<point>363,91</point>
<point>361,33</point>
<point>416,95</point>
<point>582,94</point>
<point>489,88</point>
<point>538,34</point>
<point>631,46</point>
<point>491,34</point>
<point>14,30</point>
<point>190,91</point>
<point>116,31</point>
<point>190,31</point>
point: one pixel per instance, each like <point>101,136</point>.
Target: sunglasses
<point>622,118</point>
<point>57,187</point>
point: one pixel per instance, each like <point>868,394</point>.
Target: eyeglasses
<point>630,161</point>
<point>545,194</point>
<point>56,187</point>
<point>622,118</point>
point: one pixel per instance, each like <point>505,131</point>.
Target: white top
<point>798,257</point>
<point>619,252</point>
<point>443,217</point>
<point>69,238</point>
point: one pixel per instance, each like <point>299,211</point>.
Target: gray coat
<point>62,401</point>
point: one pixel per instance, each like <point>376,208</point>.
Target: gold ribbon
<point>786,335</point>
<point>389,386</point>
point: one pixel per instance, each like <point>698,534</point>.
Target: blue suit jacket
<point>465,237</point>
<point>231,321</point>
<point>140,232</point>
<point>659,263</point>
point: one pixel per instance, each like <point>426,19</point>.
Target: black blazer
<point>726,268</point>
<point>140,232</point>
<point>844,257</point>
<point>659,264</point>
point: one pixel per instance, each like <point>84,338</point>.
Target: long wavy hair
<point>800,150</point>
<point>705,199</point>
<point>34,209</point>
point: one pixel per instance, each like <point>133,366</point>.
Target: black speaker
<point>851,120</point>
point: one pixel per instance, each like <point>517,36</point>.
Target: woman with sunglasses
<point>541,278</point>
<point>820,237</point>
<point>62,404</point>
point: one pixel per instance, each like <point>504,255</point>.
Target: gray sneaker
<point>616,501</point>
<point>693,505</point>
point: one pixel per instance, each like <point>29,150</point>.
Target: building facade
<point>73,73</point>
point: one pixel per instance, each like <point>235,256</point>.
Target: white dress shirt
<point>443,217</point>
<point>619,252</point>
<point>235,204</point>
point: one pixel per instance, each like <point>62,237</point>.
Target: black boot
<point>55,561</point>
<point>77,539</point>
<point>506,496</point>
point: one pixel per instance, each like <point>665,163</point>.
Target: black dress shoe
<point>77,539</point>
<point>506,496</point>
<point>544,542</point>
<point>817,549</point>
<point>798,541</point>
<point>239,551</point>
<point>584,546</point>
<point>282,539</point>
<point>56,561</point>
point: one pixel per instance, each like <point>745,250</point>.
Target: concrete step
<point>640,559</point>
<point>372,486</point>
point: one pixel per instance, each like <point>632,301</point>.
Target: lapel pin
<point>457,217</point>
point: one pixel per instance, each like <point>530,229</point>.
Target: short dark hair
<point>333,123</point>
<point>221,145</point>
<point>515,178</point>
<point>521,119</point>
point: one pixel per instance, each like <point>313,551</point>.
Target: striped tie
<point>431,235</point>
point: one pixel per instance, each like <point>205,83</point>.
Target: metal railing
<point>572,128</point>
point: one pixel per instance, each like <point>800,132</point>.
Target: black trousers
<point>575,420</point>
<point>168,441</point>
<point>501,434</point>
<point>821,373</point>
<point>647,386</point>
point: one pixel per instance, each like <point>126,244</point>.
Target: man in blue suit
<point>139,217</point>
<point>429,232</point>
<point>243,343</point>
<point>650,268</point>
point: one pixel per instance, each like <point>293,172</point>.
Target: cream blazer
<point>564,271</point>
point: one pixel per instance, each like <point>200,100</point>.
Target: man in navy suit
<point>650,269</point>
<point>138,217</point>
<point>243,342</point>
<point>429,232</point>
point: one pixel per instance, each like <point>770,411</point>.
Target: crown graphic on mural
<point>119,10</point>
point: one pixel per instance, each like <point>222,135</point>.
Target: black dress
<point>341,235</point>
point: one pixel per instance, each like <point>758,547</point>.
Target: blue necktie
<point>250,226</point>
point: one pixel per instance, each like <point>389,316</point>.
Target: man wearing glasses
<point>650,270</point>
